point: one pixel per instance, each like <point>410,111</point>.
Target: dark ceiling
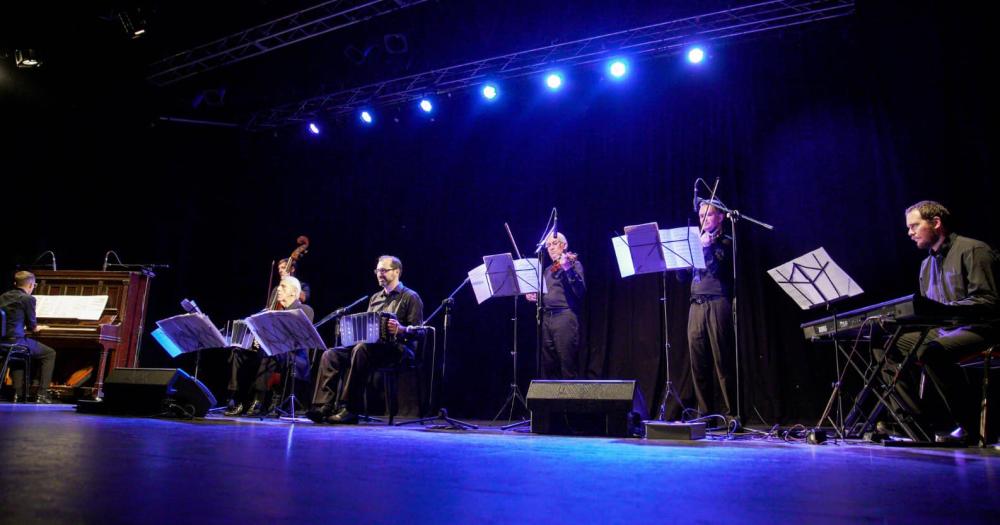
<point>91,64</point>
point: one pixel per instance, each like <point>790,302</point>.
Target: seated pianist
<point>957,271</point>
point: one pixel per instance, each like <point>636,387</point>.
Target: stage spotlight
<point>554,81</point>
<point>367,117</point>
<point>133,22</point>
<point>490,91</point>
<point>426,106</point>
<point>26,58</point>
<point>313,128</point>
<point>695,55</point>
<point>618,68</point>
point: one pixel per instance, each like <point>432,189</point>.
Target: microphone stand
<point>442,414</point>
<point>734,215</point>
<point>539,310</point>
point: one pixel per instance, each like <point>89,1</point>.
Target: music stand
<point>500,276</point>
<point>814,281</point>
<point>281,332</point>
<point>645,248</point>
<point>187,333</point>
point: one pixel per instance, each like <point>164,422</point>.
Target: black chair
<point>13,351</point>
<point>412,363</point>
<point>983,359</point>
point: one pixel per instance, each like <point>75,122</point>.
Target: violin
<point>570,258</point>
<point>303,248</point>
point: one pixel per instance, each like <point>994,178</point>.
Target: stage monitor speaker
<point>151,392</point>
<point>594,408</point>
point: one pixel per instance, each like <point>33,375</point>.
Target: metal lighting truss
<point>660,39</point>
<point>287,30</point>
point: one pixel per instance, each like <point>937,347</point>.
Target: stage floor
<point>57,466</point>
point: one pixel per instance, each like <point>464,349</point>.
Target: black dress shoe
<point>343,417</point>
<point>319,415</point>
<point>233,408</point>
<point>43,399</point>
<point>16,399</point>
<point>256,409</point>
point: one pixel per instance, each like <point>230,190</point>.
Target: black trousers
<point>352,367</point>
<point>560,344</point>
<point>711,347</point>
<point>255,368</point>
<point>42,354</point>
<point>937,356</point>
<point>328,376</point>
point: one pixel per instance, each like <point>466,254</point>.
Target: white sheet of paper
<point>480,285</point>
<point>283,331</point>
<point>191,332</point>
<point>682,248</point>
<point>82,307</point>
<point>501,273</point>
<point>527,276</point>
<point>526,282</point>
<point>806,282</point>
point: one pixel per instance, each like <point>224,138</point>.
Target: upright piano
<point>113,341</point>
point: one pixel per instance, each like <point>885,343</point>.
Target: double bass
<point>303,248</point>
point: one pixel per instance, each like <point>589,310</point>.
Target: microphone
<point>107,254</point>
<point>419,329</point>
<point>53,260</point>
<point>555,222</point>
<point>190,306</point>
<point>694,201</point>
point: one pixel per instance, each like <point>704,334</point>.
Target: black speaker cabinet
<point>152,391</point>
<point>594,408</point>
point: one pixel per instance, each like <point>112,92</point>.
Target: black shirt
<point>717,277</point>
<point>297,305</point>
<point>402,301</point>
<point>961,272</point>
<point>20,308</point>
<point>564,288</point>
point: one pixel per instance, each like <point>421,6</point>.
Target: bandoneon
<point>367,327</point>
<point>238,335</point>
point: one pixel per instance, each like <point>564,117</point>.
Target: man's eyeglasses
<point>382,271</point>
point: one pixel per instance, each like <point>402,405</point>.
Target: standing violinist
<point>561,306</point>
<point>710,317</point>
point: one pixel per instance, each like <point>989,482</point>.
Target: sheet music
<point>484,280</point>
<point>814,279</point>
<point>682,248</point>
<point>190,333</point>
<point>82,307</point>
<point>636,253</point>
<point>283,331</point>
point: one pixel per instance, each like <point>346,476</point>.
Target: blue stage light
<point>313,128</point>
<point>618,68</point>
<point>367,117</point>
<point>695,55</point>
<point>490,91</point>
<point>554,81</point>
<point>426,106</point>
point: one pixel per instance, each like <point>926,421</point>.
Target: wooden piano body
<point>114,341</point>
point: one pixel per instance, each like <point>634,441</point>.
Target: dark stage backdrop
<point>828,134</point>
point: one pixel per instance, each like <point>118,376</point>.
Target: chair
<point>983,359</point>
<point>13,351</point>
<point>390,378</point>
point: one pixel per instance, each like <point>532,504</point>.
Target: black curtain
<point>827,133</point>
